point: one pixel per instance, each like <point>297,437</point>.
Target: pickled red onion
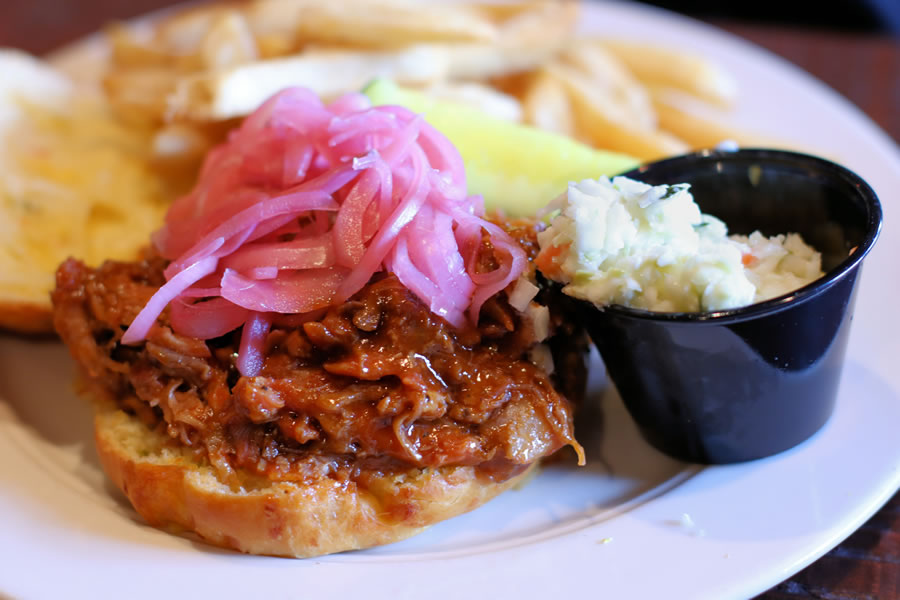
<point>250,356</point>
<point>303,204</point>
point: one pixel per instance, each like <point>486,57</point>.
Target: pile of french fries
<point>195,71</point>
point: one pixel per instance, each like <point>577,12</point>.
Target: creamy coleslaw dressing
<point>624,242</point>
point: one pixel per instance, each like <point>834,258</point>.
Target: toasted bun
<point>67,165</point>
<point>172,489</point>
<point>25,316</point>
<point>24,296</point>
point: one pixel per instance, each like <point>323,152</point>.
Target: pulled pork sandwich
<point>328,347</point>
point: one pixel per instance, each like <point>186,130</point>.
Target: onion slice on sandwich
<point>303,204</point>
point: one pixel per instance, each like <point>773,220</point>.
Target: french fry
<point>606,125</point>
<point>667,67</point>
<point>274,26</point>
<point>179,142</point>
<point>481,96</point>
<point>697,131</point>
<point>273,45</point>
<point>545,23</point>
<point>275,17</point>
<point>527,40</point>
<point>127,51</point>
<point>502,11</point>
<point>546,105</point>
<point>178,149</point>
<point>484,61</point>
<point>391,23</point>
<point>228,42</point>
<point>184,31</point>
<point>198,69</point>
<point>607,72</point>
<point>239,91</point>
<point>140,94</point>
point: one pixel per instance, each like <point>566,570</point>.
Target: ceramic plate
<point>632,524</point>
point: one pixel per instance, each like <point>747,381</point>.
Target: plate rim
<point>871,130</point>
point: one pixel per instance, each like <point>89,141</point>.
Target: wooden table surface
<point>864,68</point>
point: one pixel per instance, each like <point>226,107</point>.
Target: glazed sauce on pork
<point>376,383</point>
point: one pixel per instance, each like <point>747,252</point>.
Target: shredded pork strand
<point>377,382</point>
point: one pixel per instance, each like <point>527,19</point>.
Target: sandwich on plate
<point>328,345</point>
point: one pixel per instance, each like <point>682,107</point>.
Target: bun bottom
<point>26,317</point>
<point>173,490</point>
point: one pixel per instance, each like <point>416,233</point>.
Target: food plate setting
<point>632,522</point>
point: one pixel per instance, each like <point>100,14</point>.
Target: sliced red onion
<point>170,290</point>
<point>243,222</point>
<point>302,253</point>
<point>290,292</point>
<point>264,272</point>
<point>304,203</point>
<point>208,319</point>
<point>201,292</point>
<point>297,160</point>
<point>251,357</point>
<point>381,244</point>
<point>423,287</point>
<point>508,272</point>
<point>350,103</point>
<point>348,224</point>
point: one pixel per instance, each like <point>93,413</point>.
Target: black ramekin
<point>735,385</point>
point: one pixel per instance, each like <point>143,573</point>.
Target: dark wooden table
<point>865,69</point>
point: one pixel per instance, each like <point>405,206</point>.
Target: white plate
<point>639,525</point>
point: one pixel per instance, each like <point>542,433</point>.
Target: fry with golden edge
<point>607,125</point>
<point>391,23</point>
<point>238,91</point>
<point>546,105</point>
<point>214,63</point>
<point>668,67</point>
<point>611,78</point>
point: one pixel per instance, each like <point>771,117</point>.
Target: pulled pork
<point>378,382</point>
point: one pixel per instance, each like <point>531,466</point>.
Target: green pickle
<point>518,169</point>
